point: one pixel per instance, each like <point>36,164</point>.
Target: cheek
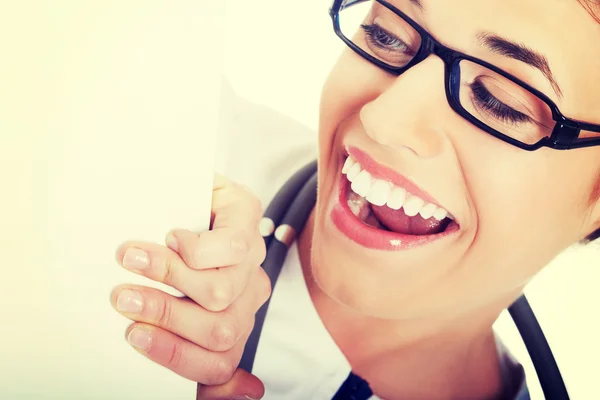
<point>530,206</point>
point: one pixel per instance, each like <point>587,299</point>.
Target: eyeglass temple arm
<point>578,142</point>
<point>585,142</point>
<point>589,127</point>
<point>566,135</point>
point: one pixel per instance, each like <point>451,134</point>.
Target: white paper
<point>108,121</point>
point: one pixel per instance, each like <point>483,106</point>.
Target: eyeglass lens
<point>494,100</point>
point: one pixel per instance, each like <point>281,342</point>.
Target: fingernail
<point>136,259</point>
<point>130,301</point>
<point>140,338</point>
<point>172,242</point>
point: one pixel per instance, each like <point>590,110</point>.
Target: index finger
<point>223,247</point>
<point>234,236</point>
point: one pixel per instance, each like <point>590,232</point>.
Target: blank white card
<point>109,114</point>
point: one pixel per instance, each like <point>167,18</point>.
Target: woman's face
<point>514,210</point>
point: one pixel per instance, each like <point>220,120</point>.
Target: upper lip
<point>380,171</point>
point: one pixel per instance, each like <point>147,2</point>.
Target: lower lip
<point>374,238</point>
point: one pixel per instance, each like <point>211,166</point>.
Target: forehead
<point>562,30</point>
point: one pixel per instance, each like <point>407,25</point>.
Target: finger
<point>222,247</point>
<point>182,316</point>
<point>242,385</point>
<point>233,204</point>
<point>183,357</point>
<point>236,213</point>
<point>213,289</point>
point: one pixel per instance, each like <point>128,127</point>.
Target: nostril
<point>406,149</point>
<point>409,138</point>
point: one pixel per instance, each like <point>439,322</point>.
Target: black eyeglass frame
<point>565,135</point>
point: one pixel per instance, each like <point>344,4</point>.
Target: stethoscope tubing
<point>287,214</point>
<point>289,211</point>
<point>545,365</point>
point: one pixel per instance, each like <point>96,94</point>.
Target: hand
<point>202,336</point>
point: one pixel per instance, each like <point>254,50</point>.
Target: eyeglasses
<point>489,98</point>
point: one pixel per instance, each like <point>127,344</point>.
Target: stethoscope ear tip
<point>266,227</point>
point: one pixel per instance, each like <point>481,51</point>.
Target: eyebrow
<point>520,52</point>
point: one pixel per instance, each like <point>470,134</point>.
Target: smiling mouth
<point>386,206</point>
<point>379,214</point>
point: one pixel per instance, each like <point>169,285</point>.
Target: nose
<point>409,112</point>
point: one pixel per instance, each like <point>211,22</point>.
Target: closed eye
<point>486,101</point>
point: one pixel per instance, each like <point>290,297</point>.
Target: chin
<point>379,241</point>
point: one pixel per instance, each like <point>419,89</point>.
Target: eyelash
<point>500,110</point>
<point>374,35</point>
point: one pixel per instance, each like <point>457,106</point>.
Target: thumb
<point>242,385</point>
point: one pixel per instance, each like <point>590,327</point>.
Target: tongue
<point>397,221</point>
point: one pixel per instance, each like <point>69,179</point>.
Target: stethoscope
<point>285,217</point>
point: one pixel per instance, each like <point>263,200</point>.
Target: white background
<point>108,114</point>
<point>103,133</point>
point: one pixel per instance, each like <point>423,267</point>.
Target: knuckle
<point>164,316</point>
<point>220,296</point>
<point>168,270</point>
<point>264,286</point>
<point>220,371</point>
<point>176,358</point>
<point>261,250</point>
<point>256,206</point>
<point>245,189</point>
<point>223,335</point>
<point>199,249</point>
<point>250,327</point>
<point>239,244</point>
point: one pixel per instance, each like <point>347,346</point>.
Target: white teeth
<point>353,172</point>
<point>361,185</point>
<point>413,205</point>
<point>440,214</point>
<point>427,211</point>
<point>397,197</point>
<point>348,164</point>
<point>379,193</point>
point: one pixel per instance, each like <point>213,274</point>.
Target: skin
<point>428,311</point>
<point>440,301</point>
<point>201,336</point>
